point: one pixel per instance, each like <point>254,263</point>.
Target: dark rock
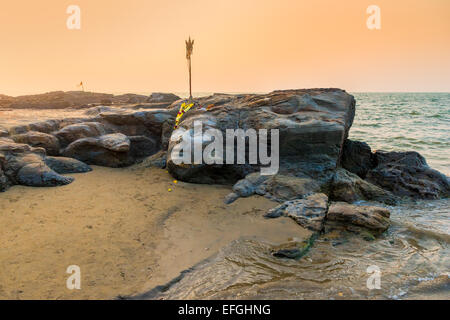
<point>278,187</point>
<point>157,160</point>
<point>108,150</point>
<point>142,146</point>
<point>230,198</point>
<point>22,164</point>
<point>64,165</point>
<point>312,124</point>
<point>375,219</point>
<point>357,158</point>
<point>3,132</point>
<point>47,126</point>
<point>348,187</point>
<point>309,213</point>
<point>77,131</point>
<point>162,97</point>
<point>282,187</point>
<point>294,253</point>
<point>406,174</point>
<point>38,139</point>
<point>4,182</point>
<point>39,175</point>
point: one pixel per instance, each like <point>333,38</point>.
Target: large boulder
<point>312,124</point>
<point>309,212</point>
<point>38,139</point>
<point>63,165</point>
<point>355,217</point>
<point>407,174</point>
<point>109,150</point>
<point>348,187</point>
<point>40,175</point>
<point>73,132</point>
<point>357,157</point>
<point>25,165</point>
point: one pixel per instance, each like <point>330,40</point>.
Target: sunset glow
<point>241,46</point>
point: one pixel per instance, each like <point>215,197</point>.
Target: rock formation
<point>316,156</point>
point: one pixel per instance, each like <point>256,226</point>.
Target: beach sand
<point>124,229</point>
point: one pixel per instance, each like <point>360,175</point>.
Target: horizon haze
<point>240,46</point>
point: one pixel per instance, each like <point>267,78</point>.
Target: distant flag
<point>81,85</point>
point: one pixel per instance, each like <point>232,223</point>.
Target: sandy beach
<point>124,229</point>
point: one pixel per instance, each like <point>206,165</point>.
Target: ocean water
<point>406,121</point>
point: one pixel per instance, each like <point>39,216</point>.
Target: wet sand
<point>124,229</point>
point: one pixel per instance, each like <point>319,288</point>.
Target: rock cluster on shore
<point>318,164</point>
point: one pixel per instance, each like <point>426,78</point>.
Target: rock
<point>4,182</point>
<point>357,157</point>
<point>39,175</point>
<point>117,142</point>
<point>406,174</point>
<point>278,187</point>
<point>230,198</point>
<point>22,164</point>
<point>348,187</point>
<point>108,150</point>
<point>282,187</point>
<point>147,123</point>
<point>375,219</point>
<point>157,160</point>
<point>312,124</point>
<point>142,147</point>
<point>162,97</point>
<point>249,186</point>
<point>309,213</point>
<point>95,111</point>
<point>47,126</point>
<point>3,132</point>
<point>77,131</point>
<point>64,165</point>
<point>294,253</point>
<point>38,139</point>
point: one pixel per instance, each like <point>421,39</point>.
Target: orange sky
<point>240,45</point>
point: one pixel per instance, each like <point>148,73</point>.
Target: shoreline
<point>121,252</point>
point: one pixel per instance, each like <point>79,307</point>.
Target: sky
<point>240,45</point>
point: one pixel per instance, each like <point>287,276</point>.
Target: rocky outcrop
<point>38,139</point>
<point>356,218</point>
<point>357,158</point>
<point>109,150</point>
<point>74,132</point>
<point>312,124</point>
<point>348,187</point>
<point>71,99</point>
<point>25,165</point>
<point>315,155</point>
<point>309,212</point>
<point>40,175</point>
<point>159,97</point>
<point>407,174</point>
